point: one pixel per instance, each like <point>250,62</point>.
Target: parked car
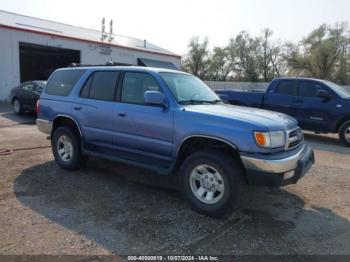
<point>170,122</point>
<point>318,105</point>
<point>24,97</point>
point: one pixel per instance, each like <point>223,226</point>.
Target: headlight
<point>272,139</point>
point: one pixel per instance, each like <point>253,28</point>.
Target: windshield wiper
<point>193,102</point>
<point>219,101</point>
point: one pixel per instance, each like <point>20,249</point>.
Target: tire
<point>211,163</point>
<point>17,107</point>
<point>66,148</point>
<point>344,133</point>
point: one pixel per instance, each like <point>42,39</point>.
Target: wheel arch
<point>60,120</point>
<point>342,122</point>
<point>13,99</point>
<point>16,97</point>
<point>194,143</point>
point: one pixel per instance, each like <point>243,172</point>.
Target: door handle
<point>122,114</point>
<point>77,108</point>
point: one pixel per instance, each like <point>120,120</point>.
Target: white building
<point>31,48</point>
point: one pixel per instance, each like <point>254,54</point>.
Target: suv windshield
<point>341,91</point>
<point>188,89</point>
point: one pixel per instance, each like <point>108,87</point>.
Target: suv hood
<point>269,119</point>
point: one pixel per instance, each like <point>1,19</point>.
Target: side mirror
<point>324,94</point>
<point>155,98</point>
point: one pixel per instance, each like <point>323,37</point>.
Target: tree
<point>218,65</point>
<point>270,56</point>
<point>324,53</point>
<point>242,54</point>
<point>342,75</point>
<point>321,53</point>
<point>196,61</point>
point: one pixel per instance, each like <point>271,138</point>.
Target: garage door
<point>37,62</point>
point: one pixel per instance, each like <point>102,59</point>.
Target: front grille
<point>293,133</point>
<point>295,137</point>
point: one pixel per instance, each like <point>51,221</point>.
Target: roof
<point>300,78</point>
<point>41,26</point>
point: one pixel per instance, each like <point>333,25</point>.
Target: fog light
<point>288,175</point>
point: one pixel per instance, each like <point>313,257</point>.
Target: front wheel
<point>344,133</point>
<point>211,182</point>
<point>66,148</point>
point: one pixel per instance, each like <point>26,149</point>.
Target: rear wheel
<point>17,107</point>
<point>211,182</point>
<point>344,133</point>
<point>66,148</point>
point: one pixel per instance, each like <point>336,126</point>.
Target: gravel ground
<point>109,208</point>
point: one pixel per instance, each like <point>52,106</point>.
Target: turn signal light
<point>260,138</point>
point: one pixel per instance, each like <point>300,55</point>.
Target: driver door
<point>139,128</point>
<point>314,111</point>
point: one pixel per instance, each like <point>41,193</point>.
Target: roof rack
<point>109,63</point>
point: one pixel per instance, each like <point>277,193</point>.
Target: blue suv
<point>170,122</point>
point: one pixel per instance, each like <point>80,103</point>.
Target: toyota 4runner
<point>170,122</point>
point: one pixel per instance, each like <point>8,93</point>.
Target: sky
<point>170,24</point>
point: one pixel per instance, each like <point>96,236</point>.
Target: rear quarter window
<point>62,82</point>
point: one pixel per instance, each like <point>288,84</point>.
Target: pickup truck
<point>171,123</point>
<point>318,105</point>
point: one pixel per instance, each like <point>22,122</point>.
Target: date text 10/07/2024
<point>172,258</point>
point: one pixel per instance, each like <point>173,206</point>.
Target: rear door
<point>314,111</point>
<point>94,107</point>
<point>284,98</point>
<point>142,129</point>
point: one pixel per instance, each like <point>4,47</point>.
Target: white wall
<point>90,54</point>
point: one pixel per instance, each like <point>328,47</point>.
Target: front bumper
<point>44,126</point>
<point>278,171</point>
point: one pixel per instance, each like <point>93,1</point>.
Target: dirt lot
<point>109,208</point>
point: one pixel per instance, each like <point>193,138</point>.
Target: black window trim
<point>91,75</point>
<point>285,80</point>
<point>324,87</point>
<point>120,87</point>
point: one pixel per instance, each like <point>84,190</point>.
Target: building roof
<point>46,27</point>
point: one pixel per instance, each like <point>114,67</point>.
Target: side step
<point>126,159</point>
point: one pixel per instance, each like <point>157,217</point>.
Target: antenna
<point>103,27</point>
<point>110,38</point>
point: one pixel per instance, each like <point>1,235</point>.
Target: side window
<point>28,87</point>
<point>135,85</point>
<point>103,85</point>
<point>287,87</point>
<point>62,82</point>
<point>309,88</point>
